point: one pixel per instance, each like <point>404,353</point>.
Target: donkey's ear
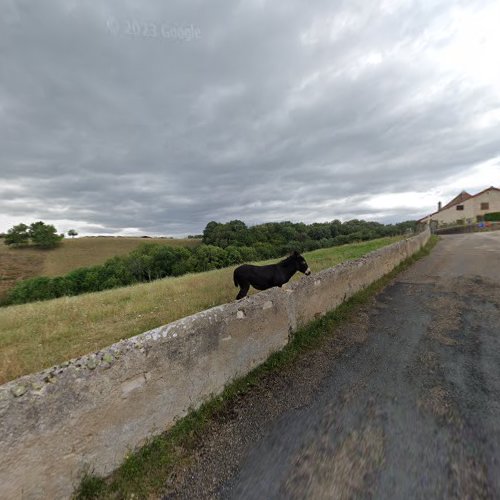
<point>295,253</point>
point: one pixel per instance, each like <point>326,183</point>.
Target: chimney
<point>439,206</point>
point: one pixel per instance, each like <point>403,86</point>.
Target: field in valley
<point>22,263</point>
<point>38,335</point>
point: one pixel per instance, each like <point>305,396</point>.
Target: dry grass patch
<point>38,335</point>
<point>17,264</point>
<point>91,251</point>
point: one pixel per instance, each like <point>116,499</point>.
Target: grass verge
<point>38,335</point>
<point>144,472</point>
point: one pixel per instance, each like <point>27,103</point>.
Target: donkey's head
<point>301,263</point>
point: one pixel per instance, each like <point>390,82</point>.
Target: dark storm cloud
<point>160,117</point>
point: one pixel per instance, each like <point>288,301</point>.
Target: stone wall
<point>88,413</point>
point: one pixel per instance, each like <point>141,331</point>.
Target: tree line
<point>224,244</point>
<point>277,238</point>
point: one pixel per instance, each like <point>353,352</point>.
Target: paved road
<point>403,403</point>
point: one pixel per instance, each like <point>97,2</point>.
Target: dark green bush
<point>248,254</point>
<point>492,217</point>
<point>207,257</point>
<point>31,290</point>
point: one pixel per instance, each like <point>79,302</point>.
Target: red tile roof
<point>464,195</point>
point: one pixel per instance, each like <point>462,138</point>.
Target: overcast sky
<point>156,117</point>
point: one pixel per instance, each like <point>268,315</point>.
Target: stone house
<point>465,208</point>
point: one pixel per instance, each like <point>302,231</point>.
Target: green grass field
<point>22,263</point>
<point>38,335</point>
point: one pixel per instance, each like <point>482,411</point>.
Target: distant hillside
<point>22,263</point>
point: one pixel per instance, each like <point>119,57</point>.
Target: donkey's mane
<point>288,259</point>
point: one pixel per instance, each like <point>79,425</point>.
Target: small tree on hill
<point>17,235</point>
<point>72,233</point>
<point>44,235</point>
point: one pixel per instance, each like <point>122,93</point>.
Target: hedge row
<point>492,217</point>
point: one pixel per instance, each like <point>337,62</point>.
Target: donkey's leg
<point>243,292</point>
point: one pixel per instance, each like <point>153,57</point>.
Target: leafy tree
<point>248,254</point>
<point>234,232</point>
<point>72,233</point>
<point>266,250</point>
<point>18,235</point>
<point>209,233</point>
<point>44,235</point>
<point>233,255</point>
<point>318,231</point>
<point>207,257</point>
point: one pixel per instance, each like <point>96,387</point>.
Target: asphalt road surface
<point>403,402</point>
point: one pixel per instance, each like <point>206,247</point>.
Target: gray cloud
<point>113,120</point>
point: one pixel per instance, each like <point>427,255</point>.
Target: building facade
<point>465,209</point>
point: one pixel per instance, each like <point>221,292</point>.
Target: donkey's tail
<point>236,284</point>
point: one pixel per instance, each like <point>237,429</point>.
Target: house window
<point>485,206</point>
<point>460,207</point>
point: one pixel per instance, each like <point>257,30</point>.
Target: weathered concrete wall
<point>90,412</point>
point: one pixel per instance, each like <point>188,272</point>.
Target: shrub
<point>31,290</point>
<point>233,255</point>
<point>44,235</point>
<point>17,235</point>
<point>206,258</point>
<point>248,254</point>
<point>492,217</point>
<point>266,250</point>
<point>341,239</point>
<point>76,280</point>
